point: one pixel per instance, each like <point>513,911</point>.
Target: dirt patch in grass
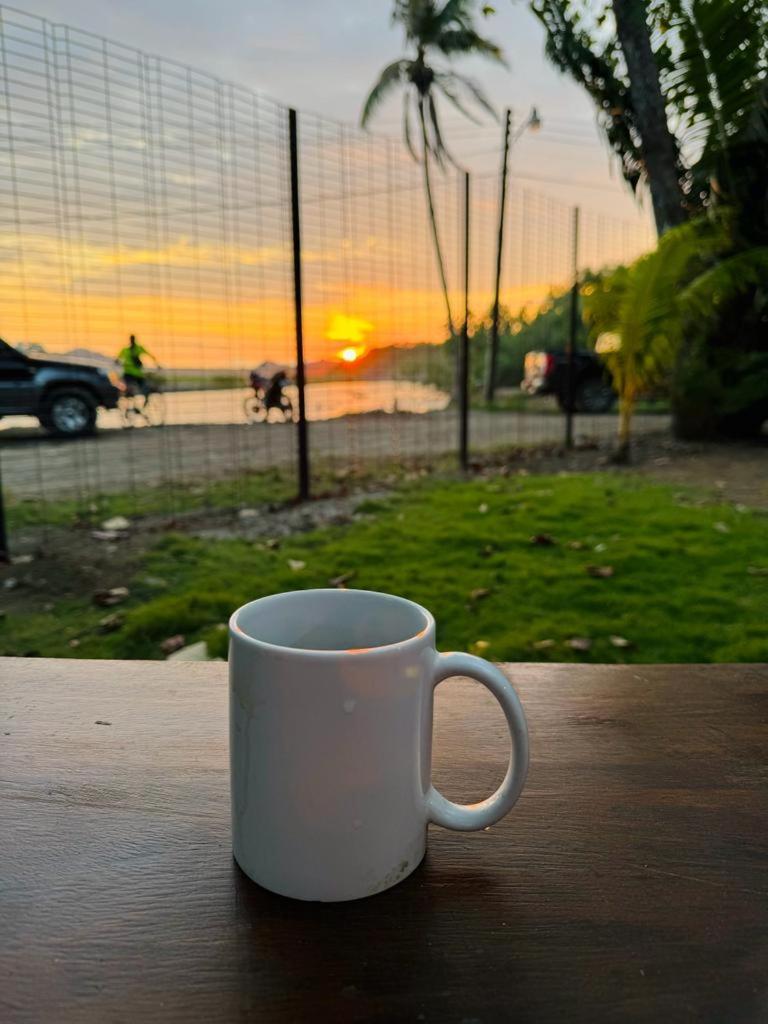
<point>735,472</point>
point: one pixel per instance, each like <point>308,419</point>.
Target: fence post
<point>493,351</point>
<point>573,327</point>
<point>301,426</point>
<point>464,344</point>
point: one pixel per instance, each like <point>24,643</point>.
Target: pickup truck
<point>65,397</point>
<point>546,373</point>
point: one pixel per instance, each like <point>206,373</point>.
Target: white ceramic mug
<point>331,740</point>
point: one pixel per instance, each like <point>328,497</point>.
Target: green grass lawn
<point>689,578</point>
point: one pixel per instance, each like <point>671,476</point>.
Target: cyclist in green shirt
<point>134,374</point>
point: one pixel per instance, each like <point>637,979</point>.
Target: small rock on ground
<point>192,652</point>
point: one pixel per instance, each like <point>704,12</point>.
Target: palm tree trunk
<point>658,146</point>
<point>626,407</point>
<point>432,217</point>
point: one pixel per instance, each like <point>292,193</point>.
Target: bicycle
<point>257,410</point>
<point>144,408</point>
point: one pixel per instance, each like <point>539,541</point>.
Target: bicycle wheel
<point>254,409</point>
<point>154,409</point>
<point>130,414</point>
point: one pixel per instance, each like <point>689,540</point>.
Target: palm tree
<point>446,29</point>
<point>656,321</point>
<point>660,153</point>
<point>674,86</point>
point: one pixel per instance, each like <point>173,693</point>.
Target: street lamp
<point>532,123</point>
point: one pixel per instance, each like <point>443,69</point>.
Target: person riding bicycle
<point>134,374</point>
<point>257,382</point>
<point>273,395</point>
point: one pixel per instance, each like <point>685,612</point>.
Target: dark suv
<point>65,397</point>
<point>546,373</point>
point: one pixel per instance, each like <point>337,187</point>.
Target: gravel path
<point>34,466</point>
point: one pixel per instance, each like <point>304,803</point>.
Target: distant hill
<point>426,364</point>
<point>74,355</point>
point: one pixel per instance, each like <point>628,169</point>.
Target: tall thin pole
<point>464,344</point>
<point>301,426</point>
<point>573,328</point>
<point>493,350</point>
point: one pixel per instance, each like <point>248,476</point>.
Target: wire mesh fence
<point>142,197</point>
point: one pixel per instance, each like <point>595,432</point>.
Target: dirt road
<point>34,466</point>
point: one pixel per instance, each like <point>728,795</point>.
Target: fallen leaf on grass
<point>576,545</point>
<point>722,527</point>
<point>579,643</point>
<point>602,572</point>
<point>543,645</point>
<point>172,643</point>
<point>482,509</point>
<point>600,547</point>
<point>296,564</point>
<point>543,540</point>
<point>111,623</point>
<point>757,570</point>
<point>479,647</point>
<point>272,544</point>
<point>619,641</point>
<point>478,594</point>
<point>107,598</point>
<point>119,523</point>
<point>155,581</point>
<point>341,581</point>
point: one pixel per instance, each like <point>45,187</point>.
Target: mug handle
<point>469,817</point>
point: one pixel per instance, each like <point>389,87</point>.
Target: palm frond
<point>455,10</point>
<point>642,303</point>
<point>705,296</point>
<point>443,83</point>
<point>476,92</point>
<point>466,41</point>
<point>571,48</point>
<point>442,152</point>
<point>407,128</point>
<point>463,41</point>
<point>716,79</point>
<point>392,75</point>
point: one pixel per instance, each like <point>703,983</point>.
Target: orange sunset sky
<point>149,200</point>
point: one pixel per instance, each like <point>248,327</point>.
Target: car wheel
<point>69,412</point>
<point>594,394</point>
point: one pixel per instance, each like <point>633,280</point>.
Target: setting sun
<point>350,354</point>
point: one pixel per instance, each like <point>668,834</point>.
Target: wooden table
<point>629,884</point>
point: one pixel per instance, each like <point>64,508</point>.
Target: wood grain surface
<point>629,884</point>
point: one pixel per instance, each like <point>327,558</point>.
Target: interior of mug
<point>331,620</point>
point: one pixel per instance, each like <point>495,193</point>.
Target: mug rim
<point>236,632</point>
